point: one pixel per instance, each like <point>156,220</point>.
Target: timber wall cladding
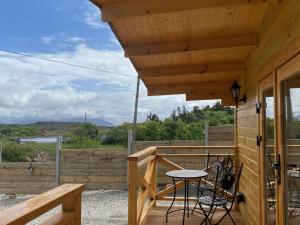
<point>16,178</point>
<point>280,27</point>
<point>98,168</point>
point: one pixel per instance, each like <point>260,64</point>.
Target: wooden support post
<point>73,205</point>
<point>132,191</point>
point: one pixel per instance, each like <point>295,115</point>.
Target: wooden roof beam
<point>183,78</point>
<point>193,69</point>
<point>184,88</point>
<point>224,95</point>
<point>209,93</point>
<point>193,45</point>
<point>128,9</point>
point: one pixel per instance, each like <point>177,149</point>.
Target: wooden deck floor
<point>157,217</point>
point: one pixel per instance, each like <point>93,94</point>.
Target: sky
<point>68,31</point>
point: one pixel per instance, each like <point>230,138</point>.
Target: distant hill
<point>43,128</point>
<point>30,121</point>
<point>97,121</point>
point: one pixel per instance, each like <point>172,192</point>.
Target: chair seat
<point>206,187</point>
<point>208,200</point>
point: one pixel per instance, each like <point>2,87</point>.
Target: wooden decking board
<point>157,217</point>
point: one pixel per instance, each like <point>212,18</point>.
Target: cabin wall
<point>281,26</point>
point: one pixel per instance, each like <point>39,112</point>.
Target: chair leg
<point>194,207</point>
<point>226,213</point>
<point>206,219</point>
<point>213,213</point>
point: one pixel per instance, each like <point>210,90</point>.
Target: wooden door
<point>288,117</point>
<point>268,151</point>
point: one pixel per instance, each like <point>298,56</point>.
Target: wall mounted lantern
<point>235,91</point>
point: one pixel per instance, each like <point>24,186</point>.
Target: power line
<point>65,63</point>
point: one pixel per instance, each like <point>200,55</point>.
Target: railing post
<point>73,205</point>
<point>132,191</point>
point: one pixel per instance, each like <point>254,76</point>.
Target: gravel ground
<point>102,207</point>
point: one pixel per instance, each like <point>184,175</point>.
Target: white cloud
<point>75,40</point>
<point>41,90</point>
<point>92,17</point>
<point>47,40</point>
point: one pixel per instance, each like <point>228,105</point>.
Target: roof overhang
<point>192,47</point>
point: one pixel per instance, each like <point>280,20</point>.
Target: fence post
<point>57,160</point>
<point>1,150</point>
<point>129,145</point>
<point>206,138</point>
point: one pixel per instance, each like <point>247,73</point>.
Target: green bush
<point>117,136</point>
<point>78,143</point>
<point>14,152</point>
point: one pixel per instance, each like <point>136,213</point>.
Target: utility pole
<point>85,117</point>
<point>136,106</point>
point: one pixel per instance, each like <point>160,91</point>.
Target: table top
<point>186,174</point>
<point>294,173</point>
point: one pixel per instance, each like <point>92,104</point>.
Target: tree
<point>173,115</point>
<point>87,131</point>
<point>152,117</point>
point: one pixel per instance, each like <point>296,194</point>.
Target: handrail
<point>195,147</point>
<point>69,195</point>
<point>143,153</point>
<point>193,155</point>
<point>142,190</point>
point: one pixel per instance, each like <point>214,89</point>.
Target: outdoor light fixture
<point>235,91</point>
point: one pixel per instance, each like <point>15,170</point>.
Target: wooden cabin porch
<point>150,191</point>
<point>158,213</point>
<point>199,49</point>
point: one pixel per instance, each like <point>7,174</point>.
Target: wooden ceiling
<point>192,47</point>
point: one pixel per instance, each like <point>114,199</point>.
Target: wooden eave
<point>191,47</point>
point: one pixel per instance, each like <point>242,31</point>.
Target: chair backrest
<point>215,162</point>
<point>227,181</point>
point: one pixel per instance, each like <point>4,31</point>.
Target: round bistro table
<point>185,176</point>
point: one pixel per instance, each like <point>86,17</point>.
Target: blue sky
<point>68,31</point>
<point>46,26</point>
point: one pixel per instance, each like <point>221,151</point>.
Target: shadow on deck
<point>157,216</point>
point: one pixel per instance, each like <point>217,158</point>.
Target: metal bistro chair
<point>212,164</point>
<point>222,196</point>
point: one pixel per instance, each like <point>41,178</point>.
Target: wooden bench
<point>69,195</point>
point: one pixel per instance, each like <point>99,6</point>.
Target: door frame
<point>267,82</point>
